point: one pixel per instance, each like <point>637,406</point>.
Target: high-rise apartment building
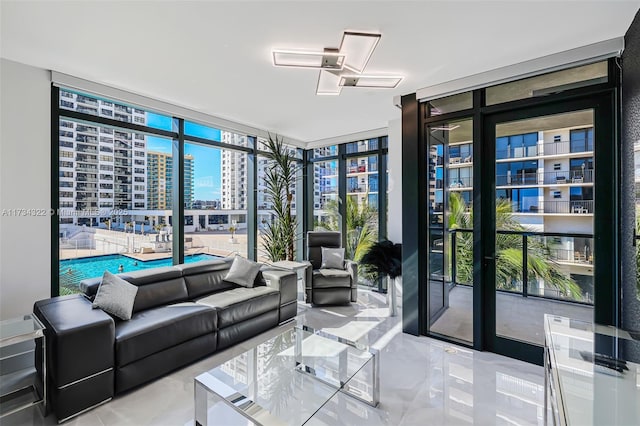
<point>101,168</point>
<point>160,180</point>
<point>546,177</point>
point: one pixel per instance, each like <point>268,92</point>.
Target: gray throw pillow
<point>115,296</point>
<point>332,258</point>
<point>243,271</point>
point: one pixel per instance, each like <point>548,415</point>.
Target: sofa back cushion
<point>156,287</point>
<point>206,277</point>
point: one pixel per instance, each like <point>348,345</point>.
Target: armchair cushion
<point>332,258</point>
<point>329,278</point>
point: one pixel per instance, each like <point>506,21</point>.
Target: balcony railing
<point>563,250</point>
<point>546,149</point>
<point>560,207</point>
<point>545,178</point>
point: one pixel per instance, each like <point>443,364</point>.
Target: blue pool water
<point>72,271</point>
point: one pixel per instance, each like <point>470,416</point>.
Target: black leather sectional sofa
<point>181,313</point>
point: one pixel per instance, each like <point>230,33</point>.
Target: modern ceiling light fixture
<point>327,59</point>
<point>328,83</point>
<point>358,47</point>
<point>362,80</point>
<point>341,67</point>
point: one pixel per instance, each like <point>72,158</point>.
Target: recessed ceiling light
<point>375,81</point>
<point>327,59</point>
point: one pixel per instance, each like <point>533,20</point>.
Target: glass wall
<point>358,217</point>
<point>117,189</point>
<point>215,222</point>
<point>118,174</point>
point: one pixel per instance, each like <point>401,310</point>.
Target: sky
<point>207,176</point>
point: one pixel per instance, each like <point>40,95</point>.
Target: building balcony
<point>86,159</point>
<point>564,177</point>
<point>86,187</point>
<point>553,207</point>
<point>87,149</point>
<point>563,148</point>
<point>87,139</point>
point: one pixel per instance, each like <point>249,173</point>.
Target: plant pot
<point>391,296</point>
<point>233,240</point>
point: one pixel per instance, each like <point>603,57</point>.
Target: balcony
<point>85,168</point>
<point>86,187</point>
<point>567,290</point>
<point>563,177</point>
<point>87,101</point>
<point>87,139</point>
<point>553,207</point>
<point>87,150</point>
<point>460,160</point>
<point>87,159</point>
<point>357,169</point>
<point>546,149</point>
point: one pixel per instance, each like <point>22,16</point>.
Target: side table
<point>300,269</point>
<point>22,364</point>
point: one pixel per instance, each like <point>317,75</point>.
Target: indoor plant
<point>280,233</point>
<point>384,258</point>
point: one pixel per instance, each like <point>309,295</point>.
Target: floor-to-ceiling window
<point>138,189</point>
<point>349,194</point>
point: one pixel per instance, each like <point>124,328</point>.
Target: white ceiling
<point>214,56</point>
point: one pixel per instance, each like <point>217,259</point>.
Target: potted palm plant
<point>384,259</point>
<point>279,235</point>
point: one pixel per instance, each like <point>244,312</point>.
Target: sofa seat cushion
<point>242,303</point>
<point>330,278</point>
<point>154,330</point>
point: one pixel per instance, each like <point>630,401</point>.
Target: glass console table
<point>286,380</point>
<point>592,374</point>
<point>22,364</point>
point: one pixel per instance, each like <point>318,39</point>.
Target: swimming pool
<point>72,271</point>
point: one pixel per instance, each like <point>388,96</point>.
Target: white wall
<point>25,182</point>
<point>394,218</point>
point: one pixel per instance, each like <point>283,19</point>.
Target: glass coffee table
<point>286,380</point>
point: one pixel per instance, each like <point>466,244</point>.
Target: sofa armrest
<point>286,282</point>
<point>80,353</point>
<point>352,268</point>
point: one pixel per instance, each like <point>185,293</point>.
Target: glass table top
<point>21,329</point>
<point>288,378</point>
<point>598,371</point>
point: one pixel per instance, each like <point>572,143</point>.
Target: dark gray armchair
<point>329,286</point>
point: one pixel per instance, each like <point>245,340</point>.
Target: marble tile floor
<point>422,380</point>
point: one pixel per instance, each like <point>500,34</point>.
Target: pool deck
<point>215,243</point>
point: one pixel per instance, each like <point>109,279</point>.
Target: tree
<point>509,253</point>
<point>280,234</point>
<point>362,226</point>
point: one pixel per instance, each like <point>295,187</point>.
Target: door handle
<point>488,260</point>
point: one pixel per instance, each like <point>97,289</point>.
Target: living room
<point>141,135</point>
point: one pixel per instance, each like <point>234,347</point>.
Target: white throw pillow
<point>243,271</point>
<point>332,258</point>
<point>115,296</point>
